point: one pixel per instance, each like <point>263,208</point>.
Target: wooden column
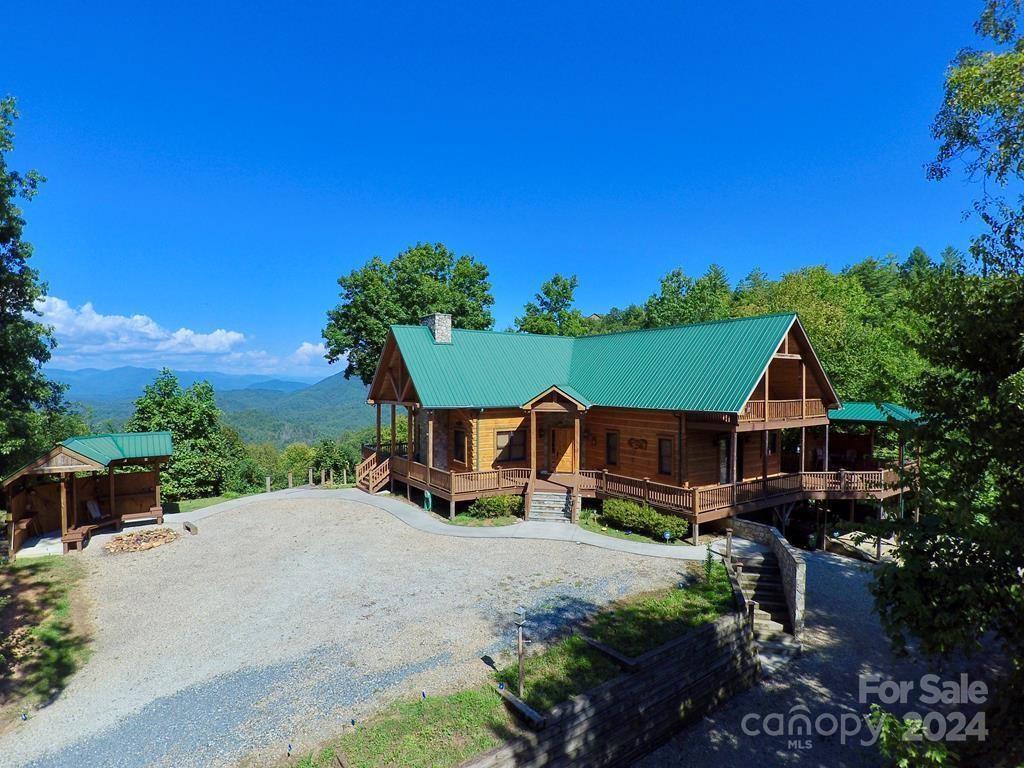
<point>576,444</point>
<point>410,442</point>
<point>533,443</point>
<point>63,504</point>
<point>393,425</point>
<point>378,427</point>
<point>683,458</point>
<point>901,449</point>
<point>766,391</point>
<point>113,505</point>
<point>826,447</point>
<point>803,389</point>
<point>733,457</point>
<point>430,441</point>
<point>764,456</point>
<point>803,448</point>
<point>156,483</point>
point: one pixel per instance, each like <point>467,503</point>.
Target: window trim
<point>608,435</point>
<point>512,434</point>
<point>671,455</point>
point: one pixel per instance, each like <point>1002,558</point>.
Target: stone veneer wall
<point>791,564</point>
<point>627,717</point>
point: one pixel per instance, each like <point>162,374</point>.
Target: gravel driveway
<point>283,619</point>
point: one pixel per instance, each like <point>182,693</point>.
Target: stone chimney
<point>440,324</point>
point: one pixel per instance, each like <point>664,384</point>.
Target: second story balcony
<point>782,410</point>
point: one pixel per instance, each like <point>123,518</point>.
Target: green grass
<point>36,618</point>
<point>483,522</point>
<point>424,733</point>
<point>589,521</point>
<point>567,668</point>
<point>190,505</point>
<point>641,623</point>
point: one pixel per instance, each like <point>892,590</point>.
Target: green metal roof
<point>120,445</point>
<point>702,367</point>
<point>873,413</point>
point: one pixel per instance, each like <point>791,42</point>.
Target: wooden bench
<point>153,513</point>
<point>77,537</point>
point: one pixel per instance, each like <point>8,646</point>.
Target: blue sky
<point>213,168</point>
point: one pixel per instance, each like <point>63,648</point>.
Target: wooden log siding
<point>625,718</point>
<point>638,441</point>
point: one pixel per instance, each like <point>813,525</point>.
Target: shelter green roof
<point>710,366</point>
<point>873,413</point>
<point>119,446</point>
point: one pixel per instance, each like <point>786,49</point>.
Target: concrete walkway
<point>421,520</point>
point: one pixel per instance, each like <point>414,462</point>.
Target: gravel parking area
<point>284,618</point>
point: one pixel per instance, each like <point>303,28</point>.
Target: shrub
<point>630,516</point>
<point>496,506</point>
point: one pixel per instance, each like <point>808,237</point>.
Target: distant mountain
<point>262,409</point>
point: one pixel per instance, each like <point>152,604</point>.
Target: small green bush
<point>496,506</point>
<point>639,518</point>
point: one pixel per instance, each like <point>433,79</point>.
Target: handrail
<point>777,410</point>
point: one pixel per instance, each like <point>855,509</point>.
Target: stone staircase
<point>761,581</point>
<point>551,507</point>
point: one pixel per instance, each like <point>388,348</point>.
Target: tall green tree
<point>28,401</point>
<point>422,279</point>
<point>203,454</point>
<point>958,576</point>
<point>681,299</point>
<point>553,310</point>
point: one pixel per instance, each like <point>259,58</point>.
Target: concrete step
<point>770,635</point>
<point>764,624</point>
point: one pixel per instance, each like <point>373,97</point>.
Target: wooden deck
<point>699,504</point>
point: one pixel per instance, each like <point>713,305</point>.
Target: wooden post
<point>576,444</point>
<point>156,483</point>
<point>64,504</point>
<point>533,443</point>
<point>322,475</point>
<point>728,544</point>
<point>684,478</point>
<point>310,475</point>
<point>733,458</point>
<point>430,441</point>
<point>803,389</point>
<point>826,447</point>
<point>113,502</point>
<point>764,456</point>
<point>410,444</point>
<point>751,612</point>
<point>451,506</point>
<point>604,479</point>
<point>803,449</point>
<point>344,475</point>
<point>393,434</point>
<point>695,530</point>
<point>330,476</point>
<point>766,391</point>
<point>378,433</point>
<point>268,483</point>
<point>290,480</point>
<point>647,490</point>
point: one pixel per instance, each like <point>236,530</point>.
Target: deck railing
<point>708,498</point>
<point>779,410</point>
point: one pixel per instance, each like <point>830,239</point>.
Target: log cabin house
<point>687,419</point>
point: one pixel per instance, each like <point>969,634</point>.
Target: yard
<point>43,635</point>
<point>285,618</point>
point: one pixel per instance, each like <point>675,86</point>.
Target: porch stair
<point>761,581</point>
<point>373,472</point>
<point>551,507</point>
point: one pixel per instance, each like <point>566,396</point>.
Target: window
<point>664,455</point>
<point>460,445</point>
<point>773,442</point>
<point>510,446</point>
<point>611,448</point>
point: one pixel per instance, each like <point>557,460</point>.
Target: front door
<point>561,449</point>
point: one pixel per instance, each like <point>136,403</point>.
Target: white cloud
<point>87,338</point>
<point>309,353</point>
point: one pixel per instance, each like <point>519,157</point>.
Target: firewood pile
<point>140,541</point>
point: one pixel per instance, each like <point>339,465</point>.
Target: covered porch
<point>74,489</point>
